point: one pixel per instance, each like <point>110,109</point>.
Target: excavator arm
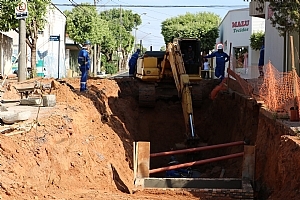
<point>174,57</point>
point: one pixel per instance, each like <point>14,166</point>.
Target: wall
<point>274,44</point>
<point>48,51</point>
<point>53,49</point>
<point>288,63</point>
<point>6,49</point>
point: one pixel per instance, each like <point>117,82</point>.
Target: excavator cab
<point>192,67</point>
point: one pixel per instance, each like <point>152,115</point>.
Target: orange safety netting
<point>279,90</point>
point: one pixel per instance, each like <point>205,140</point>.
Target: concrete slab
<point>43,111</point>
<point>193,183</point>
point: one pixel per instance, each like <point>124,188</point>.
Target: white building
<point>50,54</point>
<point>6,49</point>
<point>277,48</point>
<point>236,28</point>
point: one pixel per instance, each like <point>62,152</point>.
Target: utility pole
<point>135,39</point>
<point>22,71</point>
<point>95,53</point>
<point>21,12</point>
<point>120,27</point>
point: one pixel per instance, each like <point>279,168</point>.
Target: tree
<point>110,29</point>
<point>36,21</point>
<point>163,48</point>
<point>84,23</point>
<point>121,23</point>
<point>257,40</point>
<point>138,46</point>
<point>286,15</point>
<point>127,19</point>
<point>202,25</point>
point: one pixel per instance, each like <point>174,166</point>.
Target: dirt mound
<point>71,149</point>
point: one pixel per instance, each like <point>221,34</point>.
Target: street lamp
<point>143,25</point>
<point>136,30</point>
<point>145,35</point>
<point>141,40</point>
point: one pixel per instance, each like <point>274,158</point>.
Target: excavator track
<point>147,95</point>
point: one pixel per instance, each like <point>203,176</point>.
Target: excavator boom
<point>158,72</point>
<point>183,86</point>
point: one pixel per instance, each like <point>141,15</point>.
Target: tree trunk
<point>98,64</point>
<point>31,41</point>
<point>33,61</point>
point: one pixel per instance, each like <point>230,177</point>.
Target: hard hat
<point>87,42</point>
<point>220,46</point>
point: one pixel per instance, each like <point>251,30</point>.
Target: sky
<point>150,29</point>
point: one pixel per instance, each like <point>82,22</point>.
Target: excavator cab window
<point>190,48</point>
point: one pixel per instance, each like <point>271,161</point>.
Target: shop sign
<point>240,26</point>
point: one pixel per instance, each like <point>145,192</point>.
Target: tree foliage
<point>203,25</point>
<point>163,48</point>
<point>36,20</point>
<point>138,46</point>
<point>127,19</point>
<point>286,14</point>
<point>257,40</point>
<point>84,23</point>
<point>121,23</point>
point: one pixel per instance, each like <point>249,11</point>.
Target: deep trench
<point>228,118</point>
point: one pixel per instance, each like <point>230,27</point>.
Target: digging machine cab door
<point>188,47</point>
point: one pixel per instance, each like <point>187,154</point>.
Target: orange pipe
<point>190,164</point>
<point>152,155</point>
<point>217,89</point>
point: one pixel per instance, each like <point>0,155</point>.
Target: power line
<point>161,37</point>
<point>154,6</point>
<point>149,9</point>
<point>156,19</point>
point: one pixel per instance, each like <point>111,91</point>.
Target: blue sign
<point>54,38</point>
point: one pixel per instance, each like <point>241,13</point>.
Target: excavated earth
<point>82,148</point>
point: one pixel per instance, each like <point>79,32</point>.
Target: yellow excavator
<point>158,70</point>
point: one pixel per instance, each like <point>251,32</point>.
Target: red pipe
<point>152,155</point>
<point>200,162</point>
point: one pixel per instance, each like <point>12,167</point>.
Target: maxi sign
<point>240,26</point>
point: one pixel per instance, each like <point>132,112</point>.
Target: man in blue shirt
<point>85,62</point>
<point>221,59</point>
<point>133,61</point>
<point>261,61</point>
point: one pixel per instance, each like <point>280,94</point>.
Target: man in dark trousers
<point>85,63</point>
<point>133,62</point>
<point>261,61</point>
<point>221,59</point>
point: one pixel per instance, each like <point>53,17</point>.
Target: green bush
<point>111,68</point>
<point>257,40</point>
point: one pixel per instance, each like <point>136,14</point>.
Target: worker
<point>133,62</point>
<point>84,62</point>
<point>177,173</point>
<point>221,59</point>
<point>261,60</point>
<point>189,56</point>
